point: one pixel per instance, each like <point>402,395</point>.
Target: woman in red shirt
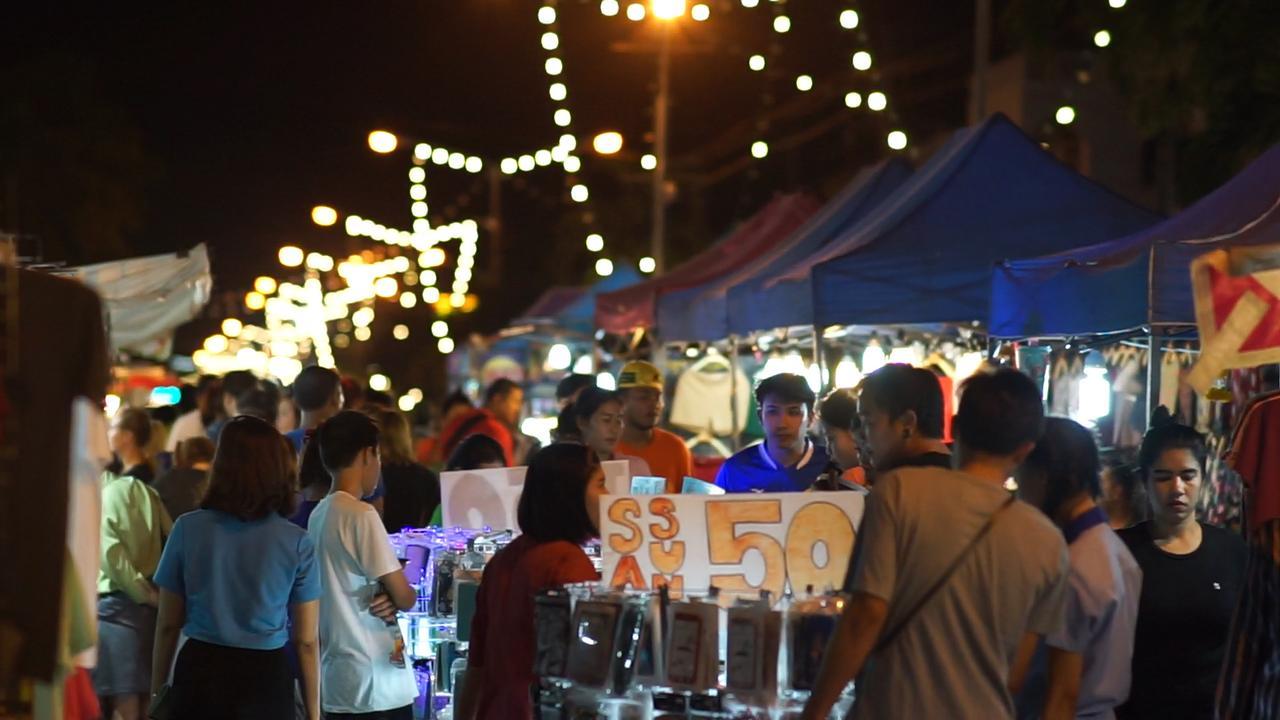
<point>559,510</point>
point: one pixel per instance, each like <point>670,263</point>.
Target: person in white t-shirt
<point>361,582</point>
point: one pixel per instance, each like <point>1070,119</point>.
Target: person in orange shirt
<point>640,385</point>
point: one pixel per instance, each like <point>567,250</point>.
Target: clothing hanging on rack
<point>1222,490</point>
<point>705,396</point>
<point>1249,689</point>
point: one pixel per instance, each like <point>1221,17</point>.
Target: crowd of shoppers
<point>1058,601</point>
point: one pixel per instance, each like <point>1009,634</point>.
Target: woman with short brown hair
<point>231,574</point>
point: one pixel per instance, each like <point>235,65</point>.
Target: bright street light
<point>1065,115</point>
<point>381,141</point>
<point>667,9</point>
<point>607,143</point>
<point>647,265</point>
<point>323,215</point>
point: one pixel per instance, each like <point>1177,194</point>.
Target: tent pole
<point>819,359</point>
<point>733,392</point>
<point>1153,375</point>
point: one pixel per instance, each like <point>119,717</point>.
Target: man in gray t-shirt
<point>966,649</point>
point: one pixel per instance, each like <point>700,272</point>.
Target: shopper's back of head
<point>1003,562</point>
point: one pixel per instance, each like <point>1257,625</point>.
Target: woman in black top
<point>1192,575</point>
<point>413,491</point>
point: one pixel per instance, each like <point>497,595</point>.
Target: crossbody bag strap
<point>888,637</point>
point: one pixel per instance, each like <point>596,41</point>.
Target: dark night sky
<point>253,112</point>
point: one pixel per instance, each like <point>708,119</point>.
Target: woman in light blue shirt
<point>231,575</point>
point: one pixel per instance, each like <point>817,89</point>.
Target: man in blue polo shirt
<point>788,460</point>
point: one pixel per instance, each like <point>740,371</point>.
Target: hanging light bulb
<point>873,357</point>
<point>584,365</point>
<point>813,376</point>
<point>559,358</point>
<point>847,374</point>
<point>606,381</point>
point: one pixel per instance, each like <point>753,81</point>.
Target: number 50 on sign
<point>741,544</point>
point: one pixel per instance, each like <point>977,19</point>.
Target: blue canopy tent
<point>926,255</point>
<point>1139,281</point>
<point>738,303</point>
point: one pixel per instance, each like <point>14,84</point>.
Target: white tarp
<point>147,298</point>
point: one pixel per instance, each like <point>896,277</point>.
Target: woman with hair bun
<point>1192,576</point>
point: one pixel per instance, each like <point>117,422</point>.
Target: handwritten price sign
<point>741,544</point>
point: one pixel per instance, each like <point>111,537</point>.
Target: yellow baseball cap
<point>640,374</point>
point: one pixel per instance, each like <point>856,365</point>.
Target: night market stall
<point>1123,297</point>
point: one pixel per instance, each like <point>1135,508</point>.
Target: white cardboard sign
<point>741,544</point>
<point>617,476</point>
<point>480,498</point>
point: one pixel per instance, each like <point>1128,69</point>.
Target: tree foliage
<point>1201,74</point>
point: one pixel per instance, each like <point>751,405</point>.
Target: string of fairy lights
<point>299,317</point>
<point>876,100</point>
<point>1066,113</point>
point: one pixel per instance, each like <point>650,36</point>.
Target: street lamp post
<point>660,108</point>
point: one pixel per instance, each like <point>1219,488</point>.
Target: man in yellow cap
<point>640,385</point>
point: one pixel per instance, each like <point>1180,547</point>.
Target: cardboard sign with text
<point>741,544</point>
<point>481,498</point>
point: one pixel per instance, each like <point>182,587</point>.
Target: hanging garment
<point>63,357</point>
<point>1248,689</point>
<point>1170,368</point>
<point>1255,454</point>
<point>705,398</point>
<point>90,455</point>
<point>1221,500</point>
